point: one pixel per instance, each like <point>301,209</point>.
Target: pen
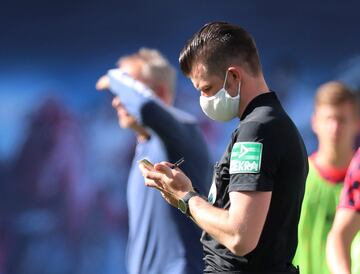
<point>178,163</point>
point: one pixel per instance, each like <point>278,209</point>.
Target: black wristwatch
<point>183,203</point>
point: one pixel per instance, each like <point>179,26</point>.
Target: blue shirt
<point>161,238</point>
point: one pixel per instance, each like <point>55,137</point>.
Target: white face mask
<point>221,106</point>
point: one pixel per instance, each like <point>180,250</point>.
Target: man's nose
<point>335,126</point>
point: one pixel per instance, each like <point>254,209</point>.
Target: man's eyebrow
<point>205,86</point>
<point>196,85</point>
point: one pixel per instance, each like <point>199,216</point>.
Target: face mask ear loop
<point>226,74</point>
<point>239,88</point>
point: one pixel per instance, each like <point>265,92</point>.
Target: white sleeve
<point>132,93</point>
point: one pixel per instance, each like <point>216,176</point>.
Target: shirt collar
<point>260,100</point>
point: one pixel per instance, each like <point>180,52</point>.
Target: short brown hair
<point>335,93</point>
<point>218,45</point>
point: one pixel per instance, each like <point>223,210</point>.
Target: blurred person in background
<point>108,156</point>
<point>344,235</point>
<point>49,196</point>
<point>335,122</point>
<point>161,239</point>
<point>251,214</point>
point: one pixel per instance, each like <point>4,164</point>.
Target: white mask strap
<point>239,87</point>
<point>226,74</point>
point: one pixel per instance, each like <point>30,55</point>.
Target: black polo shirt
<point>266,153</point>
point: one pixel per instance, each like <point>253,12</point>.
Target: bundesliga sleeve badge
<point>245,157</point>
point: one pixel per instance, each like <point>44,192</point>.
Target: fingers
<point>156,178</point>
<point>115,102</point>
<point>164,167</point>
<point>167,164</point>
<point>103,83</point>
<point>154,184</point>
<point>166,178</point>
<point>151,175</point>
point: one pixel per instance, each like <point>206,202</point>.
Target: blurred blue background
<point>63,158</point>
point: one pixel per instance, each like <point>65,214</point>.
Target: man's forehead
<point>132,67</point>
<point>199,70</point>
<point>344,108</point>
<point>199,74</point>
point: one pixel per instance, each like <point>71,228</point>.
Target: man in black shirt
<point>251,215</point>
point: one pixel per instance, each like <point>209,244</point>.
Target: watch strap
<point>185,201</point>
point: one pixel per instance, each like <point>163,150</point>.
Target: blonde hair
<point>335,93</point>
<point>155,68</point>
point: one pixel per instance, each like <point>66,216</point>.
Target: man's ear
<point>163,93</point>
<point>234,73</point>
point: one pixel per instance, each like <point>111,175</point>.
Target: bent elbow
<point>241,247</point>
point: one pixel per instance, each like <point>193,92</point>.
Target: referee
<point>250,217</point>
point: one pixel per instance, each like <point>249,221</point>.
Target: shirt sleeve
<point>350,196</point>
<point>132,93</point>
<point>167,122</point>
<point>254,158</point>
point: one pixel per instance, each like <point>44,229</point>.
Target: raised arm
<point>141,102</point>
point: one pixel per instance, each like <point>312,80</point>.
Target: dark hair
<point>218,45</point>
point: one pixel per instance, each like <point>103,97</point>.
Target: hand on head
<point>103,83</point>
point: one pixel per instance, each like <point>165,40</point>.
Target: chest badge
<point>245,157</point>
